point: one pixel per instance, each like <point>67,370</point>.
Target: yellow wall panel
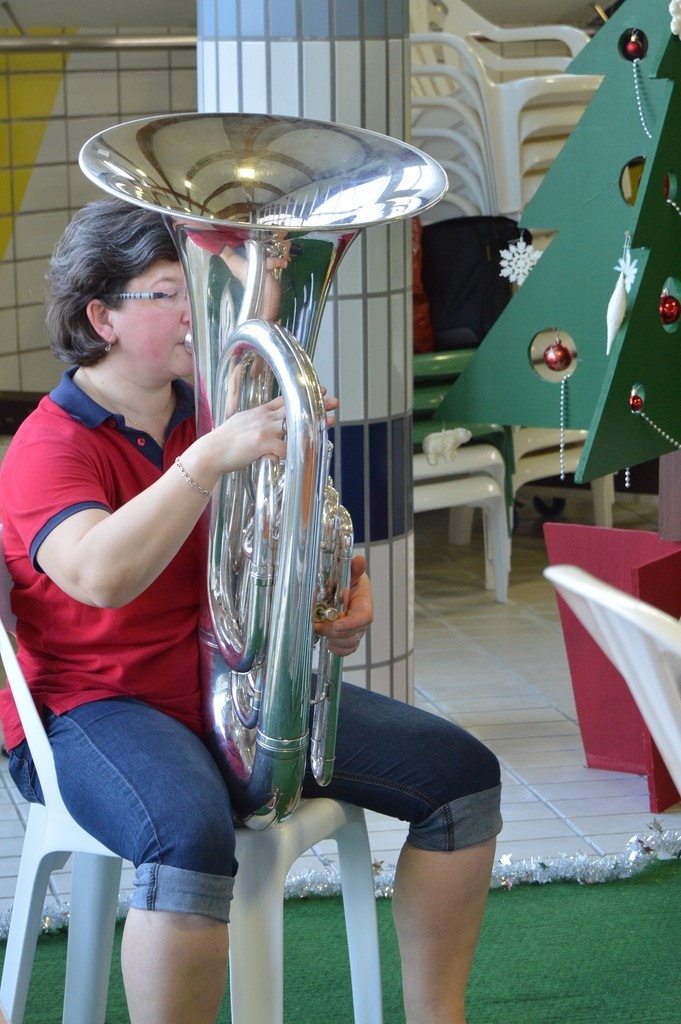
<point>32,82</point>
<point>35,63</point>
<point>5,193</point>
<point>33,95</point>
<point>4,146</point>
<point>25,137</point>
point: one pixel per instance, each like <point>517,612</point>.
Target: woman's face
<point>150,332</point>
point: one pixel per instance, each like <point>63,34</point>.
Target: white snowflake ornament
<point>627,268</point>
<point>517,261</point>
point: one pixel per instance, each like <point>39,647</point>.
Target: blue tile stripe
<point>374,477</point>
<point>283,18</point>
<point>302,19</point>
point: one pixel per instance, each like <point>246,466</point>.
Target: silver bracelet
<point>192,483</point>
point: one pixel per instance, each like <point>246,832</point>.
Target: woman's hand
<point>248,435</point>
<point>345,634</point>
<point>244,437</point>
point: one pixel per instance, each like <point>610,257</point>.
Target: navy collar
<point>69,397</point>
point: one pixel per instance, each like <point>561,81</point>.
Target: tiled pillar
<point>345,61</point>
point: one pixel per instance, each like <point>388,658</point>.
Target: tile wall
<point>50,103</point>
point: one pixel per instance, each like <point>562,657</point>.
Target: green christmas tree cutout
<point>546,362</point>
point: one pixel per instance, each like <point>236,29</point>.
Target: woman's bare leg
<point>174,967</point>
<point>438,906</point>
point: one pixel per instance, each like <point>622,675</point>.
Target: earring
<point>107,347</point>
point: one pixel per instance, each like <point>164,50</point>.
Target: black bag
<point>460,274</point>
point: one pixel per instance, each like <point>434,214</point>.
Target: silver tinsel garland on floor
<point>640,852</point>
<point>584,869</point>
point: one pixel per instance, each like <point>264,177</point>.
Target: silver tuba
<point>262,210</point>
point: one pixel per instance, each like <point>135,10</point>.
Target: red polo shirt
<point>70,454</point>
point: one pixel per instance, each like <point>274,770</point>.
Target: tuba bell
<point>262,210</point>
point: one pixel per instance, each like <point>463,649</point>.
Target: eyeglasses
<point>170,300</point>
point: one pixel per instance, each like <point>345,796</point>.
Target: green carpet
<point>565,953</point>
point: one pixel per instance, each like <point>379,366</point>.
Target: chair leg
<point>603,497</point>
<point>257,916</point>
<point>27,913</point>
<point>488,550</point>
<point>497,541</point>
<point>92,920</point>
<point>359,904</point>
<point>257,934</point>
<point>460,525</point>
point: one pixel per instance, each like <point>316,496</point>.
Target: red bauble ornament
<point>634,49</point>
<point>635,400</point>
<point>557,356</point>
<point>633,45</point>
<point>670,309</point>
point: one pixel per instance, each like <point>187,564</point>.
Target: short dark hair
<point>107,243</point>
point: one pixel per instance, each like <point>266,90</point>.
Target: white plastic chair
<point>449,130</point>
<point>474,478</point>
<point>643,643</point>
<point>449,122</point>
<point>256,931</point>
<point>517,112</point>
<point>51,837</point>
<point>537,456</point>
<point>535,48</point>
<point>525,110</point>
<point>467,178</point>
<point>451,71</point>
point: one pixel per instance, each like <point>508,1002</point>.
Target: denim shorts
<point>148,788</point>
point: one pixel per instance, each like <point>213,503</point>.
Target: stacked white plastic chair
<point>538,454</point>
<point>451,474</point>
<point>256,928</point>
<point>513,84</point>
<point>449,121</point>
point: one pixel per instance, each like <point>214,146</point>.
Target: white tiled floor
<point>501,671</point>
